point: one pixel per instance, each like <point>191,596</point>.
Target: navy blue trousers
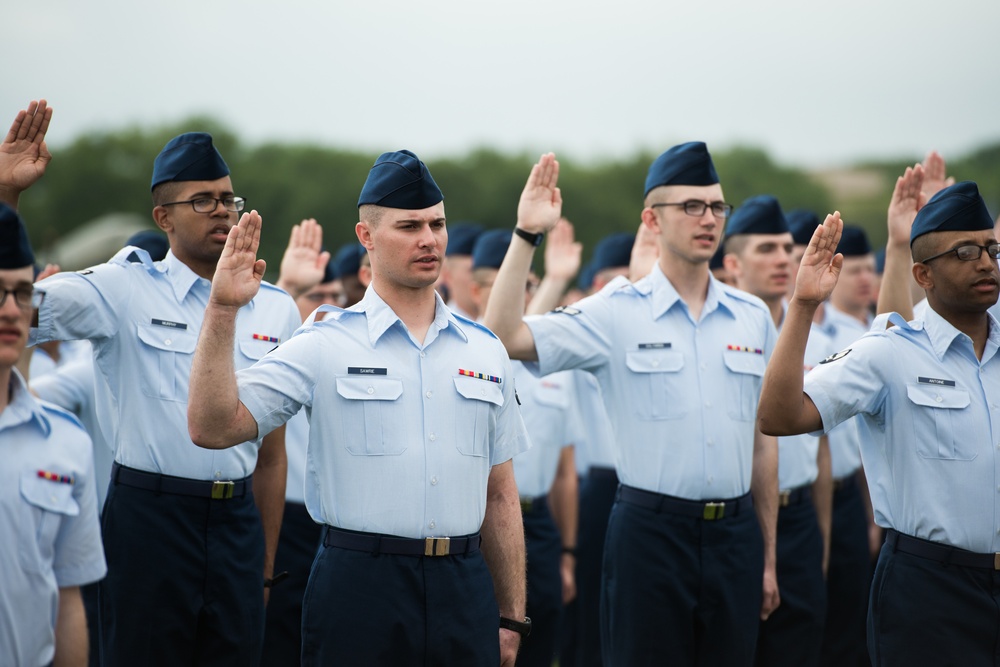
<point>371,609</point>
<point>923,612</point>
<point>185,580</point>
<point>848,581</point>
<point>544,550</point>
<point>297,545</point>
<point>680,590</point>
<point>791,636</point>
<point>597,496</point>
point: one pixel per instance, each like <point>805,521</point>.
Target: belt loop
<point>892,539</point>
<point>115,469</point>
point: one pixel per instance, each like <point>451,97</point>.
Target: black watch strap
<point>522,628</point>
<point>534,239</point>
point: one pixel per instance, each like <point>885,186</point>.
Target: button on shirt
<point>681,394</point>
<point>797,464</point>
<point>845,440</point>
<point>930,422</point>
<point>552,423</point>
<point>402,435</point>
<point>48,519</point>
<point>143,320</point>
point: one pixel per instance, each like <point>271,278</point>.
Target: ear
<point>161,216</point>
<point>731,263</point>
<point>476,292</point>
<point>364,233</point>
<point>923,275</point>
<point>649,219</point>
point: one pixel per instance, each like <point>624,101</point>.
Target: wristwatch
<point>534,239</point>
<point>522,628</point>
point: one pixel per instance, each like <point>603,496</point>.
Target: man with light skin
<point>48,506</point>
<point>175,517</point>
<point>758,248</point>
<point>681,357</point>
<point>926,393</point>
<point>413,423</point>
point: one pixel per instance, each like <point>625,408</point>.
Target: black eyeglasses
<point>209,204</point>
<point>969,252</point>
<point>26,297</point>
<point>697,208</point>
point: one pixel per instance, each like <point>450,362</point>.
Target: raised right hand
<point>23,153</point>
<point>821,263</point>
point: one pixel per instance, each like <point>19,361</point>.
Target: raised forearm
<point>894,292</point>
<point>782,409</point>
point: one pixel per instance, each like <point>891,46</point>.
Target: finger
<point>256,222</point>
<point>15,127</point>
<point>36,122</point>
<point>29,114</point>
<point>322,260</point>
<point>44,127</point>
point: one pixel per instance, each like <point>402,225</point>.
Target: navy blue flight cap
<point>686,164</point>
<point>716,261</point>
<point>15,249</point>
<point>758,215</point>
<point>880,261</point>
<point>189,157</point>
<point>347,261</point>
<point>854,242</point>
<point>491,246</point>
<point>613,251</point>
<point>330,272</point>
<point>462,238</point>
<point>802,223</point>
<point>400,180</point>
<point>957,208</point>
<point>152,241</point>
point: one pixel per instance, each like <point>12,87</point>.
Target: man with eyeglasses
<point>48,506</point>
<point>689,562</point>
<point>184,529</point>
<point>926,393</point>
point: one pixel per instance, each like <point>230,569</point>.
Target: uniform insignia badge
<point>269,339</point>
<point>480,376</point>
<point>55,477</point>
<point>834,357</point>
<point>937,381</point>
<point>168,323</point>
<point>359,370</point>
<point>744,348</point>
<point>567,310</point>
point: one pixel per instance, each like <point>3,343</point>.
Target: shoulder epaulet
<point>622,285</point>
<point>477,325</point>
<point>54,410</point>
<point>745,297</point>
<point>334,313</point>
<point>128,256</point>
<point>887,321</point>
<point>274,288</point>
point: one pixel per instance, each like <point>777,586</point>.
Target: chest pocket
<point>743,382</point>
<point>937,412</point>
<point>167,355</point>
<point>251,351</point>
<point>654,383</point>
<point>475,414</point>
<point>46,505</point>
<point>372,418</point>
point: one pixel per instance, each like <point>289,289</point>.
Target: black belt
<point>698,509</point>
<point>844,483</point>
<point>602,472</point>
<point>181,486</point>
<point>795,496</point>
<point>401,546</point>
<point>941,553</point>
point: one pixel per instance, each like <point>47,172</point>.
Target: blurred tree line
<point>102,173</point>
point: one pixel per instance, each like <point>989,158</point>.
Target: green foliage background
<point>102,173</point>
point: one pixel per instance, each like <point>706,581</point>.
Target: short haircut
<point>371,213</point>
<point>166,192</point>
<point>735,244</point>
<point>924,246</point>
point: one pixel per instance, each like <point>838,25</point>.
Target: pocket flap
<point>480,390</point>
<point>369,388</point>
<point>744,362</point>
<point>654,361</point>
<point>167,339</point>
<point>934,396</point>
<point>256,349</point>
<point>49,495</point>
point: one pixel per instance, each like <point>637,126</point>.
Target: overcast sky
<point>816,84</point>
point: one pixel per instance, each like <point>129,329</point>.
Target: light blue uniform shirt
<point>681,395</point>
<point>51,535</point>
<point>143,320</point>
<point>845,440</point>
<point>930,419</point>
<point>797,463</point>
<point>402,435</point>
<point>72,386</point>
<point>296,443</point>
<point>595,446</point>
<point>552,423</point>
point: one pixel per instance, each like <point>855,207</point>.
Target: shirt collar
<point>943,333</point>
<point>23,407</point>
<point>665,296</point>
<point>183,279</point>
<point>381,318</point>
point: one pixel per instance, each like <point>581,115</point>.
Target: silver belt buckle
<point>996,561</point>
<point>222,490</point>
<point>437,546</point>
